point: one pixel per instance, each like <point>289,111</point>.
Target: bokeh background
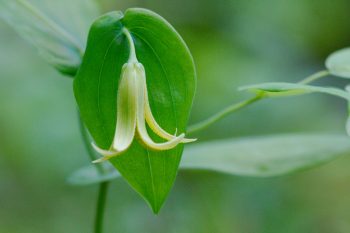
<point>234,43</point>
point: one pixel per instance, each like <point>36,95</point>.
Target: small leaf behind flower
<point>171,82</point>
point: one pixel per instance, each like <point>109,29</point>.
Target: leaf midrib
<point>172,105</point>
<point>99,83</point>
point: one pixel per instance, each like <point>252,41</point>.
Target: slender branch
<point>237,106</point>
<point>100,207</point>
<point>218,116</point>
<point>314,77</point>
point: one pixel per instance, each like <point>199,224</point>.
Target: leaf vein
<point>99,82</point>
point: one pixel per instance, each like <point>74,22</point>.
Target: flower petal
<point>100,160</point>
<point>107,154</point>
<point>126,109</point>
<point>152,122</point>
<point>104,152</point>
<point>141,124</point>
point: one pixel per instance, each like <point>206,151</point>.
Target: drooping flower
<point>134,111</point>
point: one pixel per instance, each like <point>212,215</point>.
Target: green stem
<point>218,116</point>
<point>314,77</point>
<point>100,207</point>
<point>103,187</point>
<point>132,53</point>
<point>235,107</point>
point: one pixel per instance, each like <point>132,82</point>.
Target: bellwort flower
<point>134,111</point>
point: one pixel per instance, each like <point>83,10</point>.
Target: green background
<point>233,43</point>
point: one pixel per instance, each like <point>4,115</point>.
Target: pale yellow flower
<point>134,111</point>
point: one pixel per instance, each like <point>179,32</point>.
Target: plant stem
<point>218,116</point>
<point>103,187</point>
<point>132,53</point>
<point>100,207</point>
<point>314,77</point>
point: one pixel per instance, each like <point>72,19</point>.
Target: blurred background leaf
<point>276,89</point>
<point>338,63</point>
<point>59,35</point>
<point>234,43</point>
<point>265,156</point>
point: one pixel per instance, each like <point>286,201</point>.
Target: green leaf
<point>58,29</point>
<point>287,89</point>
<point>171,83</point>
<point>266,156</point>
<point>255,156</point>
<point>338,63</point>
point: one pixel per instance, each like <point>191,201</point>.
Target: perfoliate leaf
<point>256,156</point>
<point>338,63</point>
<point>287,89</point>
<point>57,30</point>
<point>171,84</point>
